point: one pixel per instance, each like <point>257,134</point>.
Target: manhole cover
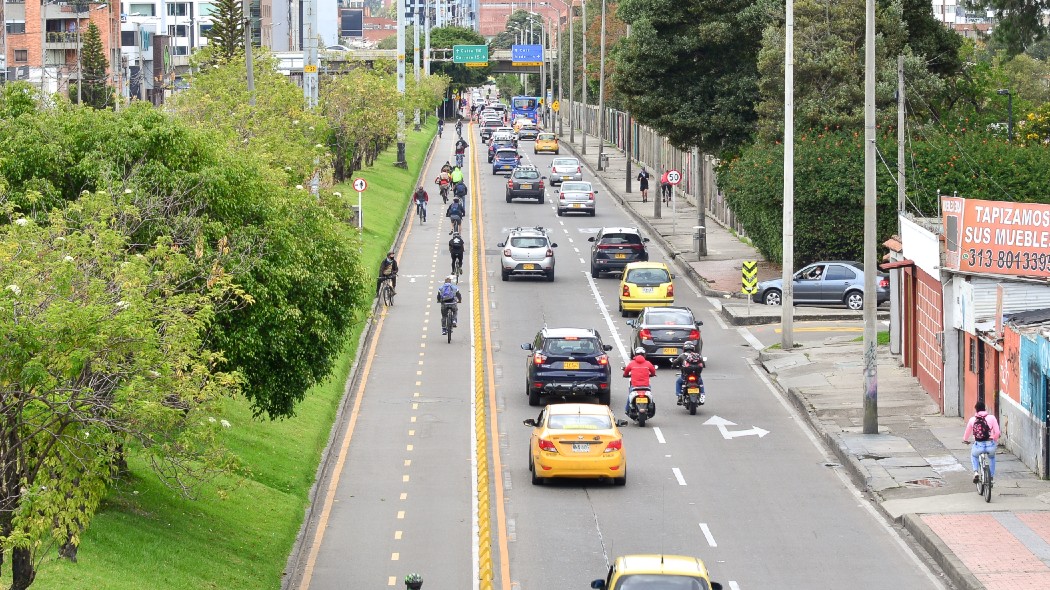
<point>925,483</point>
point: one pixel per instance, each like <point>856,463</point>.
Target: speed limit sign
<point>360,185</point>
<point>674,177</point>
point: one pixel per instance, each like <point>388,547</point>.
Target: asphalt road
<point>768,511</point>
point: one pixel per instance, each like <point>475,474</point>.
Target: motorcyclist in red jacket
<point>640,371</point>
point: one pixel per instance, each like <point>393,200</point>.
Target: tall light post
<point>401,163</point>
<point>871,380</point>
<point>583,126</point>
<point>1009,112</point>
<point>416,12</point>
<point>601,95</point>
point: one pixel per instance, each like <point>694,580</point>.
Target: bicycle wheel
<point>986,477</point>
<point>458,271</point>
<point>388,294</point>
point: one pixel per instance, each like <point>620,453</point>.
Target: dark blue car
<point>567,363</point>
<point>505,160</point>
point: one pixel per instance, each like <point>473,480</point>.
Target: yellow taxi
<point>546,142</point>
<point>631,572</point>
<point>576,440</point>
<point>645,284</point>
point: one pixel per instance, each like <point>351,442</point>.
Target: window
<point>205,30</point>
<point>180,50</point>
<point>206,8</point>
<point>178,30</point>
<point>973,355</point>
<point>143,10</point>
<point>16,27</point>
<point>127,38</point>
<point>837,272</point>
<point>21,55</point>
<point>178,9</point>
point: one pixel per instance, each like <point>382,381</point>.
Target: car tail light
<point>645,335</point>
<point>510,184</point>
<point>636,247</point>
<point>670,290</point>
<point>539,359</point>
<point>614,445</point>
<point>537,385</point>
<point>546,445</point>
<point>579,169</point>
<point>691,377</point>
<point>541,184</point>
<point>603,360</point>
<point>626,291</point>
<point>591,195</point>
<point>506,252</point>
<point>603,386</point>
<point>550,252</point>
<point>561,196</point>
<point>694,335</point>
<point>883,282</point>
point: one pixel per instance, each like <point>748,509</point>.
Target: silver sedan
<point>576,196</point>
<point>563,169</point>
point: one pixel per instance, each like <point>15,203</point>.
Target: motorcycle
<point>642,405</point>
<point>692,389</point>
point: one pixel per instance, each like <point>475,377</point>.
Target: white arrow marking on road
<point>708,535</point>
<point>678,475</point>
<point>659,435</point>
<point>722,423</point>
<point>733,585</point>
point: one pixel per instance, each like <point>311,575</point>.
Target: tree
<point>100,348</point>
<point>689,69</point>
<point>227,28</point>
<point>1019,23</point>
<point>361,108</point>
<point>928,37</point>
<point>96,91</point>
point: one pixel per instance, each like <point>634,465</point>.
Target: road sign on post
<point>360,185</point>
<point>674,177</point>
<point>526,55</point>
<point>555,106</point>
<point>463,54</point>
<point>749,277</point>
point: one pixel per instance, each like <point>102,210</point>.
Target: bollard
<point>697,232</point>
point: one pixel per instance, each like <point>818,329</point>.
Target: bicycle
<point>447,313</point>
<point>386,292</point>
<point>457,269</point>
<point>456,223</point>
<point>421,211</point>
<point>984,479</point>
<point>444,193</point>
<point>441,127</point>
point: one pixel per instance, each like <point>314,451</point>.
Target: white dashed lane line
<point>678,475</point>
<point>707,534</point>
<point>659,435</point>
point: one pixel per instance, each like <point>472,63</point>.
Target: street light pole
<point>572,72</point>
<point>583,126</point>
<point>1009,112</point>
<point>601,95</point>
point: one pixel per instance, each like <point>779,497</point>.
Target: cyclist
<point>456,212</point>
<point>446,167</point>
<point>387,272</point>
<point>456,246</point>
<point>460,191</point>
<point>441,126</point>
<point>421,198</point>
<point>444,181</point>
<point>985,430</point>
<point>456,174</point>
<point>459,128</point>
<point>639,370</point>
<point>461,150</point>
<point>688,358</point>
<point>448,295</point>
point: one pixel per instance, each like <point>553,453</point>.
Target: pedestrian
<point>665,188</point>
<point>643,184</point>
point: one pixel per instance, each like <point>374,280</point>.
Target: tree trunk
<point>22,570</point>
<point>68,550</point>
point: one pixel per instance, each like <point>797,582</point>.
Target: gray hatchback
<point>528,252</point>
<point>525,182</point>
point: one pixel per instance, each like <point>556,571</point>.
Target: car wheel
<point>539,200</point>
<point>504,275</point>
<point>560,213</point>
<point>594,213</point>
<point>550,276</point>
<point>556,152</point>
<point>855,300</point>
<point>605,398</point>
<point>595,272</point>
<point>536,480</point>
<point>623,312</point>
<point>772,297</point>
<point>534,397</point>
<point>508,197</point>
<point>620,481</point>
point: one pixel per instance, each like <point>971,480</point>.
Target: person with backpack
<point>456,247</point>
<point>460,191</point>
<point>985,430</point>
<point>457,175</point>
<point>448,295</point>
<point>689,359</point>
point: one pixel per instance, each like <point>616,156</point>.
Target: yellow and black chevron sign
<point>749,277</point>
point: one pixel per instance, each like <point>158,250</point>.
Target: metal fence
<point>653,151</point>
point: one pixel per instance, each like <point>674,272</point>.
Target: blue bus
<point>524,106</point>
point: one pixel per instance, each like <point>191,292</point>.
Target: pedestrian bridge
<point>291,62</point>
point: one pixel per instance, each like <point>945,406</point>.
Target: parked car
<point>645,284</point>
<point>527,252</point>
<point>567,363</point>
<point>836,282</point>
<point>576,440</point>
<point>576,196</point>
<point>525,182</point>
<point>505,160</point>
<point>546,142</point>
<point>615,247</point>
<point>498,144</point>
<point>663,332</point>
<point>563,169</point>
<point>656,571</point>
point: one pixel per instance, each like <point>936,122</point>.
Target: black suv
<point>614,247</point>
<point>525,182</point>
<point>567,362</point>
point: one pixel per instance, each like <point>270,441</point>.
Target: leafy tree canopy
<point>1019,23</point>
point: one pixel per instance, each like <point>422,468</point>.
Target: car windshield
<point>570,187</point>
<point>566,162</point>
<point>660,582</point>
<point>579,422</point>
<point>527,174</point>
<point>647,277</point>
<point>574,347</point>
<point>668,317</point>
<point>528,242</point>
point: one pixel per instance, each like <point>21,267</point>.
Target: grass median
<point>239,532</point>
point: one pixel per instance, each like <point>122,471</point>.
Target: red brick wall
<point>929,363</point>
<point>31,41</point>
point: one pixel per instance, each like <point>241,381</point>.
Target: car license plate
<point>525,186</point>
<point>621,256</point>
<point>576,205</point>
<point>529,266</point>
<point>647,289</point>
<point>580,447</point>
<point>692,389</point>
<point>566,178</point>
<point>670,351</point>
<point>570,365</point>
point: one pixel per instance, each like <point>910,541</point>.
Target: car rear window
<point>566,162</point>
<point>620,239</point>
<point>546,136</point>
<point>527,174</point>
<point>579,422</point>
<point>528,242</point>
<point>506,154</point>
<point>668,317</point>
<point>576,186</point>
<point>648,276</point>
<point>660,582</point>
<point>574,347</point>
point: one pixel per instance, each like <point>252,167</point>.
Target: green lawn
<point>239,532</point>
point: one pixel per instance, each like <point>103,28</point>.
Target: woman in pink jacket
<point>985,430</point>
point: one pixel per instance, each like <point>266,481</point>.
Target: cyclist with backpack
<point>456,247</point>
<point>448,296</point>
<point>985,430</point>
<point>456,213</point>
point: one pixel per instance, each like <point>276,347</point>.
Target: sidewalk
<point>916,470</point>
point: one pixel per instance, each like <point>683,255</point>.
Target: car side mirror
<point>622,422</point>
<point>598,584</point>
<point>699,323</point>
<point>607,347</point>
<point>529,422</point>
<point>500,245</point>
<point>543,178</point>
<point>672,275</point>
<point>630,323</point>
<point>645,239</point>
<point>591,239</point>
<point>526,346</point>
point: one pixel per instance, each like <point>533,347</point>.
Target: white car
<point>564,169</point>
<point>576,196</point>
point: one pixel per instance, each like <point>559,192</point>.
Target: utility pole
<point>310,52</point>
<point>572,72</point>
<point>629,129</point>
<point>426,43</point>
<point>43,44</point>
<point>601,95</point>
<point>416,12</point>
<point>583,126</point>
<point>700,175</point>
<point>900,137</point>
<point>247,7</point>
<point>401,163</point>
<point>561,77</point>
<point>871,381</point>
<point>787,296</point>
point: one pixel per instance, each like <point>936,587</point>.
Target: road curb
<point>293,567</point>
<point>951,565</point>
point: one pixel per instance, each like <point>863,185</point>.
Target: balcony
<point>57,40</point>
